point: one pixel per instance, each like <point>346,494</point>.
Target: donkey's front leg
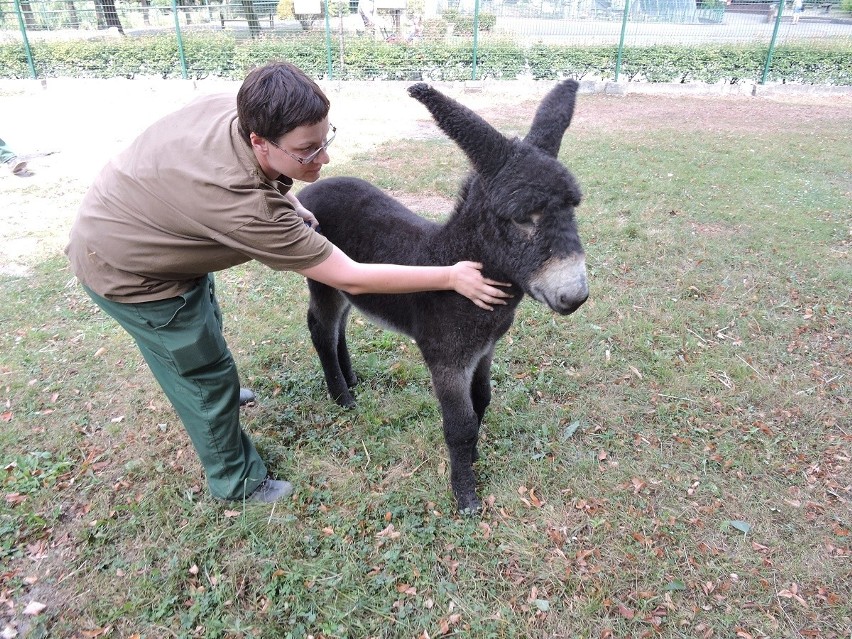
<point>327,314</point>
<point>461,431</point>
<point>480,390</point>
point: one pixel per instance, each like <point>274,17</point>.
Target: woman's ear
<point>260,148</point>
<point>259,144</point>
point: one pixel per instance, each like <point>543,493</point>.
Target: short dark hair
<point>276,98</point>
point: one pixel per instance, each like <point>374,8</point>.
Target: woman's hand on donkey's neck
<point>466,279</point>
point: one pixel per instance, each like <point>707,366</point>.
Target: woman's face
<point>299,154</point>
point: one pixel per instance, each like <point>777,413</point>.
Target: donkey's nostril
<point>568,303</point>
<point>569,306</point>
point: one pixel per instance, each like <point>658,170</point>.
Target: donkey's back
<point>366,223</point>
<point>372,227</point>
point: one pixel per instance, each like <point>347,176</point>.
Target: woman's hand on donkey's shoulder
<point>307,217</point>
<point>467,280</point>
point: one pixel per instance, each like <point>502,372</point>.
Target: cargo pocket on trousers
<point>192,334</point>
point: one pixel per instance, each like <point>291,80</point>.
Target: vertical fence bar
<point>181,53</point>
<point>328,38</point>
<point>772,42</point>
<point>23,26</point>
<point>621,39</point>
<point>475,38</point>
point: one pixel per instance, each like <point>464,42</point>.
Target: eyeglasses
<point>313,156</point>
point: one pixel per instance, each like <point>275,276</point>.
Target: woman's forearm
<point>356,278</point>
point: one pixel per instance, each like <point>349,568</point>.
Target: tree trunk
<point>109,13</point>
<point>146,17</point>
<point>185,4</point>
<point>29,16</point>
<point>251,17</point>
<point>73,20</point>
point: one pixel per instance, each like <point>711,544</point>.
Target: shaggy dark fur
<point>515,214</point>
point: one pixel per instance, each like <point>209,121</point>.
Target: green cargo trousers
<point>181,340</point>
<point>6,153</point>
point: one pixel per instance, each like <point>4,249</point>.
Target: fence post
<point>475,37</point>
<point>772,42</point>
<point>328,38</point>
<point>23,28</point>
<point>181,53</point>
<point>621,39</point>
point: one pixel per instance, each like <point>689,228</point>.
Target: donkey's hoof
<point>469,507</point>
<point>345,401</point>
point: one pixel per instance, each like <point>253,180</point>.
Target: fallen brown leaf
<point>34,608</point>
<point>534,499</point>
<point>389,533</point>
<point>448,622</point>
<point>15,498</point>
<point>625,612</point>
<point>793,593</point>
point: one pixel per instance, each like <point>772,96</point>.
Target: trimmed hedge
<point>221,55</point>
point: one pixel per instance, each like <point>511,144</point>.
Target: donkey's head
<point>522,197</point>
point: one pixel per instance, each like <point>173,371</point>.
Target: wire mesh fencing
<point>649,40</point>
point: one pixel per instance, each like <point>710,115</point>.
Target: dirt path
<point>68,128</point>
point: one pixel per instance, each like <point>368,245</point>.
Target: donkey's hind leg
<point>327,314</point>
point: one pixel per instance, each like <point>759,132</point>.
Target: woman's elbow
<point>352,288</point>
<point>352,285</point>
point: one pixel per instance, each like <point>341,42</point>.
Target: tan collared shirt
<point>185,199</point>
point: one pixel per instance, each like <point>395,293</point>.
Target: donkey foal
<point>514,213</point>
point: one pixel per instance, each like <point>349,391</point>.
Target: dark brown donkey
<point>515,214</point>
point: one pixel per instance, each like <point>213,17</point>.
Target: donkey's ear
<point>553,117</point>
<point>484,145</point>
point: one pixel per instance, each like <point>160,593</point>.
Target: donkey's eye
<point>529,221</point>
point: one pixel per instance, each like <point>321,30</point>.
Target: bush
<point>434,28</point>
<point>464,21</point>
<point>221,55</point>
<point>550,62</point>
<point>707,63</point>
<point>307,51</point>
<point>731,64</point>
<point>810,63</point>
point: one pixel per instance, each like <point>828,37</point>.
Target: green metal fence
<point>406,39</point>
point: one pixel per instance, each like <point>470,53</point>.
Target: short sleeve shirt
<point>187,198</point>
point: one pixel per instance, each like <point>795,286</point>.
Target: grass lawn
<point>673,460</point>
